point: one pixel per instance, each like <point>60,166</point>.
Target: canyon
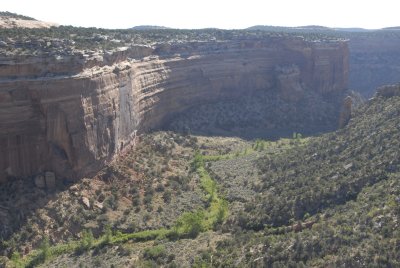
<point>198,148</point>
<point>73,114</point>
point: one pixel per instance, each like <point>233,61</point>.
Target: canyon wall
<point>73,115</point>
<point>374,60</point>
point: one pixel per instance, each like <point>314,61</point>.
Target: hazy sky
<point>210,13</point>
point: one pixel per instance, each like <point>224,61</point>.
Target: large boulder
<point>86,202</point>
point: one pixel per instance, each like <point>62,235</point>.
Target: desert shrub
<point>111,202</point>
<point>160,187</point>
<point>157,253</point>
<point>167,196</point>
<point>148,198</point>
<point>136,200</point>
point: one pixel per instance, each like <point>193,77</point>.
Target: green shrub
<point>191,223</point>
<point>156,253</point>
<point>197,162</point>
<point>45,249</point>
<point>16,257</point>
<point>86,241</point>
<point>107,237</point>
<point>167,196</point>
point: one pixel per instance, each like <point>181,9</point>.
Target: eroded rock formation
<point>72,115</point>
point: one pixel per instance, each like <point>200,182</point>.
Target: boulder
<point>348,166</point>
<point>98,205</point>
<point>86,202</point>
<point>74,190</point>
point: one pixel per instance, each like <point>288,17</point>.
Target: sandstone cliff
<point>73,115</point>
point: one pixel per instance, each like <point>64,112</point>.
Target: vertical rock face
<point>374,61</point>
<point>77,115</point>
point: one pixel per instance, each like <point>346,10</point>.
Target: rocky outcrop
<point>73,115</point>
<point>350,103</point>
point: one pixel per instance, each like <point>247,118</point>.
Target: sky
<point>232,14</point>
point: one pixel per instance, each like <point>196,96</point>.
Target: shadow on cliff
<point>259,116</point>
<point>256,133</point>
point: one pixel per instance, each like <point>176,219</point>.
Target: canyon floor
<point>181,200</point>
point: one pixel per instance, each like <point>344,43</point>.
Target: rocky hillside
<point>11,20</point>
<point>330,201</point>
<point>70,110</point>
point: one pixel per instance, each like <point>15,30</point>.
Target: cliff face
<point>374,61</point>
<point>72,116</point>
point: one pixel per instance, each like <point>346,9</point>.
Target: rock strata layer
<point>73,115</point>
